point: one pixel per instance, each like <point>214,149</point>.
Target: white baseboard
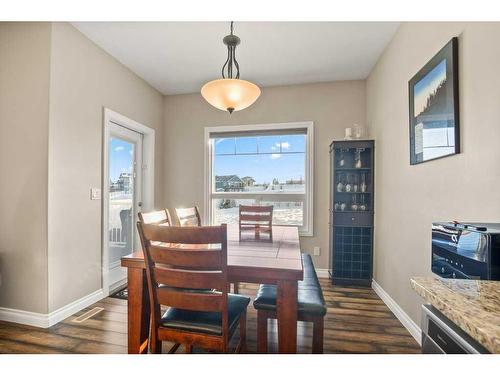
<point>47,320</point>
<point>73,307</point>
<point>402,316</point>
<point>24,317</point>
<point>322,273</point>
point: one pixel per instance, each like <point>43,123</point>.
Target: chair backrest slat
<point>197,301</point>
<point>255,218</point>
<point>160,217</point>
<point>189,279</point>
<point>187,256</point>
<point>263,209</point>
<point>183,235</point>
<point>188,217</point>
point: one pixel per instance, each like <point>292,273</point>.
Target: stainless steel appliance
<point>442,336</point>
<point>466,250</point>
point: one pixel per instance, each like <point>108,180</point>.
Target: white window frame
<point>307,228</point>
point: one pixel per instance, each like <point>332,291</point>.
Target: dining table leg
<point>138,311</point>
<point>287,316</point>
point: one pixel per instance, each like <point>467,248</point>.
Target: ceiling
<point>179,57</point>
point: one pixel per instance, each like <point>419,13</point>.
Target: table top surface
<point>282,254</point>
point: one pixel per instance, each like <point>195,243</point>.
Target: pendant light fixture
<point>230,93</point>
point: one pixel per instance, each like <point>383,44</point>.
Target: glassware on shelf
<point>362,186</point>
<point>362,206</point>
<point>354,203</point>
<point>343,206</point>
<point>348,185</point>
<point>340,185</point>
<point>357,158</point>
<point>355,186</point>
<point>348,134</point>
<point>336,207</point>
<point>358,131</point>
<point>341,158</point>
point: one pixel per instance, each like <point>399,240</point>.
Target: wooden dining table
<point>276,262</point>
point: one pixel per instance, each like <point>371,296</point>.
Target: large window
<point>260,165</point>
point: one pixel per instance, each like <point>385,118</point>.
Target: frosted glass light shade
<point>230,94</point>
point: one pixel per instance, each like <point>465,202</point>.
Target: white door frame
<point>147,188</point>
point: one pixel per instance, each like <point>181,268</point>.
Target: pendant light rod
<point>231,41</point>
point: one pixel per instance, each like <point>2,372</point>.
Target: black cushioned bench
<point>310,303</point>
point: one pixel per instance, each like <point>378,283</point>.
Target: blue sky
<point>120,157</point>
<point>281,157</point>
<point>427,85</point>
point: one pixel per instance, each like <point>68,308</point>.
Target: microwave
<point>466,250</point>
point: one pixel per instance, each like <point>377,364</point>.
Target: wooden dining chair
<point>258,219</point>
<point>188,217</point>
<point>179,263</point>
<point>160,217</point>
<point>255,219</point>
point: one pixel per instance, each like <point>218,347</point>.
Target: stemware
<point>340,185</point>
<point>362,206</point>
<point>362,186</point>
<point>354,204</point>
<point>357,159</point>
<point>341,158</point>
<point>348,185</point>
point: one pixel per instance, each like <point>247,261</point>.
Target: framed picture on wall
<point>434,113</point>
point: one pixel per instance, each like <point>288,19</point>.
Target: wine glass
<point>357,159</point>
<point>341,158</point>
<point>340,185</point>
<point>354,204</point>
<point>348,185</point>
<point>362,186</point>
<point>362,206</point>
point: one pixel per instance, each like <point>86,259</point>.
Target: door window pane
<point>121,192</point>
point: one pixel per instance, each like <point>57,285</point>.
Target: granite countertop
<point>473,305</point>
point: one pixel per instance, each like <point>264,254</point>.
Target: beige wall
<point>24,108</point>
<point>84,79</point>
<point>461,187</point>
<point>332,107</point>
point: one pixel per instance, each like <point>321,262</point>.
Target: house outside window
<point>269,164</point>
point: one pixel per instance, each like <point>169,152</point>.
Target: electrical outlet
<point>317,250</point>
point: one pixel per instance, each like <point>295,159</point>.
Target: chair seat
<point>310,298</point>
<point>205,322</point>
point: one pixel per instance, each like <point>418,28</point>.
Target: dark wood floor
<point>357,322</point>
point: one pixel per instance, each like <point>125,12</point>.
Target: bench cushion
<point>309,295</point>
<point>205,322</point>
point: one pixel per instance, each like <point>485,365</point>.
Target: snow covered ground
<point>281,215</point>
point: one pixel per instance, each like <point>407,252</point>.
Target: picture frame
<point>434,107</point>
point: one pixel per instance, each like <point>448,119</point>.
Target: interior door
<point>124,200</point>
